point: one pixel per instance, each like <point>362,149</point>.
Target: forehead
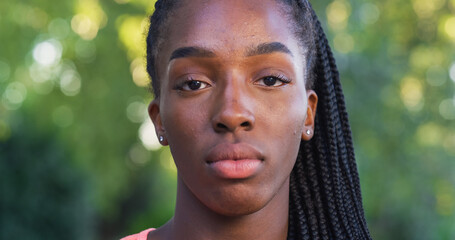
<point>228,26</point>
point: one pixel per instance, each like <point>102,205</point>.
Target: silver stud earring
<point>161,138</point>
<point>308,132</point>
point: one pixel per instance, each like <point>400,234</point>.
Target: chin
<point>238,203</point>
<point>237,210</point>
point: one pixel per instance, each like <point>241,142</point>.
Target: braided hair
<point>325,200</point>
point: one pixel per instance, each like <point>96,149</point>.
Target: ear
<point>308,129</point>
<point>154,113</point>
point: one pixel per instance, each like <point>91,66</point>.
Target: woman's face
<point>233,106</point>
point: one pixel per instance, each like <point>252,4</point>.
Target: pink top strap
<point>140,236</point>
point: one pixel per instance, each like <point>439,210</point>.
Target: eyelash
<point>279,77</point>
<point>181,86</point>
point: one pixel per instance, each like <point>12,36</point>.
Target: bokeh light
<point>15,93</point>
<point>131,33</point>
<point>139,73</point>
<point>137,112</point>
<point>139,156</point>
<point>426,9</point>
<point>430,134</point>
<point>84,26</point>
<point>28,15</point>
<point>412,93</point>
<point>449,27</point>
<point>423,57</point>
<point>148,136</point>
<point>48,52</point>
<point>90,18</point>
<point>59,28</point>
<point>369,13</point>
<point>447,109</point>
<point>452,72</point>
<point>338,13</point>
<point>70,82</point>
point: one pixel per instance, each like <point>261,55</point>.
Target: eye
<point>273,81</point>
<point>193,85</point>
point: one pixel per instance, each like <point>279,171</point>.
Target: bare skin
<point>233,108</point>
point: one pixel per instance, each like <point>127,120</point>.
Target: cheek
<point>283,121</point>
<point>291,134</point>
<point>183,120</point>
<point>285,116</point>
<point>186,126</point>
<point>292,120</point>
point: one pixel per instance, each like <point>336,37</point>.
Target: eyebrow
<point>184,52</point>
<point>267,48</point>
<point>263,48</point>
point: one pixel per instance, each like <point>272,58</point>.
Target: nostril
<point>245,124</point>
<point>232,126</point>
<point>221,126</point>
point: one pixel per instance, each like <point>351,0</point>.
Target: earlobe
<point>155,116</point>
<point>308,129</point>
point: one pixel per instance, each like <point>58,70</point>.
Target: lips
<point>234,161</point>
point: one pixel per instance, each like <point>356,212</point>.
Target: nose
<point>233,111</point>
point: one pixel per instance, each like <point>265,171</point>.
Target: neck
<point>194,220</point>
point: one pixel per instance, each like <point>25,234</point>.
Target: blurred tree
<point>42,195</point>
<point>397,65</point>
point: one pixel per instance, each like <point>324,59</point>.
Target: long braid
<point>349,145</point>
<point>291,227</point>
<point>333,130</point>
<point>325,198</point>
<point>338,169</point>
<point>340,133</point>
<point>346,146</point>
<point>300,219</point>
<point>332,202</point>
<point>309,199</point>
<point>313,177</point>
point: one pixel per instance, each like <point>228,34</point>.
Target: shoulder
<point>139,236</point>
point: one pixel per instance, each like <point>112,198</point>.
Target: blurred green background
<point>79,158</point>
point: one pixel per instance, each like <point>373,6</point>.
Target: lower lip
<point>236,169</point>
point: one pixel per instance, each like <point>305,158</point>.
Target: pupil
<point>269,81</point>
<point>194,85</point>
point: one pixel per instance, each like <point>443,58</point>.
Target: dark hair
<point>325,200</point>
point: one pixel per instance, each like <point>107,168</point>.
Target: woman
<point>236,87</point>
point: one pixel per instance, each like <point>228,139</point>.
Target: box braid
<point>325,200</point>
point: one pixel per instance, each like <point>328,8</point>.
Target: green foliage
<point>400,96</point>
<point>76,160</point>
<point>43,196</point>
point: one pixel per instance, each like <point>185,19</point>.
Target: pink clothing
<point>140,236</point>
